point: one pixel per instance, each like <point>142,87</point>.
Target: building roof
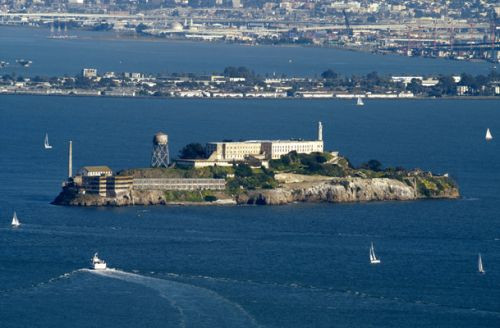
<point>101,168</point>
<point>264,141</point>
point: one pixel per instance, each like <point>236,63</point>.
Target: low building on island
<point>100,180</point>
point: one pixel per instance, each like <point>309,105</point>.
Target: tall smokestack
<point>70,159</point>
<point>320,131</point>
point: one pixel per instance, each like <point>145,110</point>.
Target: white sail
<point>46,142</point>
<point>488,135</point>
<point>360,102</point>
<point>373,257</point>
<point>15,220</point>
<point>480,264</point>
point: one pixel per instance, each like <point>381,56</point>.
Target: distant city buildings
<point>239,83</point>
<point>89,72</point>
<point>446,29</point>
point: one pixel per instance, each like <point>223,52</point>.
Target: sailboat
<point>488,135</point>
<point>360,102</point>
<point>373,257</point>
<point>480,264</point>
<point>46,142</point>
<point>15,221</point>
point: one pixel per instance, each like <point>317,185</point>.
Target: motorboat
<point>97,263</point>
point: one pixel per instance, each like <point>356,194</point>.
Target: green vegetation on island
<point>242,178</point>
<point>242,82</point>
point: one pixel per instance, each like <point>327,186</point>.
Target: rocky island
<point>315,177</point>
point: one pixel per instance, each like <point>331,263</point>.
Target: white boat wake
<point>198,307</point>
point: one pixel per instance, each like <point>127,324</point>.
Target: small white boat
<point>488,135</point>
<point>97,263</point>
<point>373,257</point>
<point>480,264</point>
<point>15,221</point>
<point>46,143</point>
<point>360,102</point>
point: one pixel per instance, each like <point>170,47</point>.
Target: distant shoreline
<point>127,36</point>
<point>416,98</point>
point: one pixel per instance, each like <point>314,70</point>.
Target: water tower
<point>160,157</point>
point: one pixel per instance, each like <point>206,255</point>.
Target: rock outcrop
<point>343,190</point>
<point>296,188</point>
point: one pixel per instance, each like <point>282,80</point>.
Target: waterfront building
<point>179,184</point>
<point>106,186</point>
<point>95,171</point>
<point>405,79</point>
<point>89,72</point>
<point>112,186</point>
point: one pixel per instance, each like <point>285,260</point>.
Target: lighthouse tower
<point>160,156</point>
<point>320,131</point>
<point>70,159</point>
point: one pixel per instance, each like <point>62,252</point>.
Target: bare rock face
<point>296,189</point>
<point>341,190</point>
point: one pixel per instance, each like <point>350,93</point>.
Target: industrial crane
<point>347,26</point>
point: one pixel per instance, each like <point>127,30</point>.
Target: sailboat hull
<point>46,143</point>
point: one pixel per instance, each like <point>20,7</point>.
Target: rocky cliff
<point>342,190</point>
<point>294,188</point>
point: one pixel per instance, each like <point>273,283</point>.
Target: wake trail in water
<point>66,275</point>
<point>346,292</point>
<point>197,306</point>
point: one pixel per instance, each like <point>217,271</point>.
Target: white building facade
<point>268,149</point>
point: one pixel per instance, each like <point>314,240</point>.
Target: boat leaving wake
<point>197,306</point>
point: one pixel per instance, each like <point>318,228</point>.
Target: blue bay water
<point>302,265</point>
<point>291,266</point>
<point>107,52</point>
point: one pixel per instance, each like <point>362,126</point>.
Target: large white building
<point>265,149</point>
<point>257,152</point>
<point>277,148</point>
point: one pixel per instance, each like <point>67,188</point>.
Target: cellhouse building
<point>225,153</point>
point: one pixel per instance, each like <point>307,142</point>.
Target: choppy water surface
<point>290,266</point>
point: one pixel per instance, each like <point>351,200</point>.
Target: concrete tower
<point>70,159</point>
<point>160,157</point>
<point>320,131</point>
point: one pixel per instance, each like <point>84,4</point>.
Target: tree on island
<point>241,71</point>
<point>373,165</point>
<point>329,74</point>
<point>415,86</point>
<point>446,85</point>
<point>192,151</point>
